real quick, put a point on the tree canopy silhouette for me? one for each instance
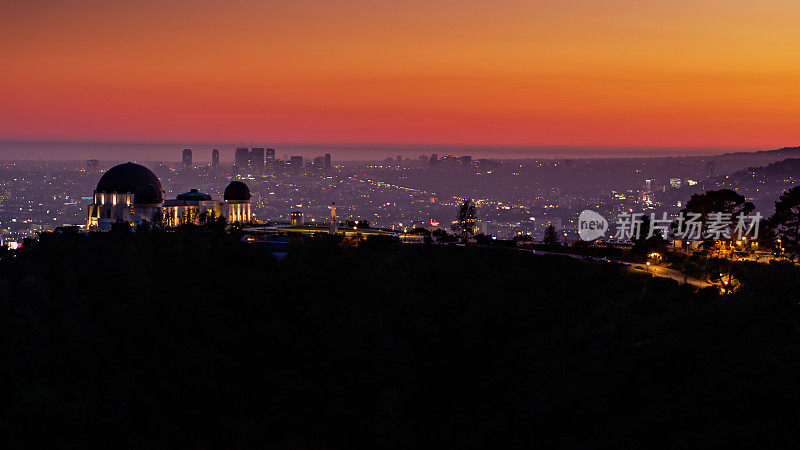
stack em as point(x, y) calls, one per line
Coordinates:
point(551, 235)
point(465, 219)
point(785, 222)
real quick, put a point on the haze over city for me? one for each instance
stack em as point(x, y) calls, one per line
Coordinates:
point(118, 151)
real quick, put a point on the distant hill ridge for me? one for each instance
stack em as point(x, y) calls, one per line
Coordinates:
point(777, 152)
point(788, 165)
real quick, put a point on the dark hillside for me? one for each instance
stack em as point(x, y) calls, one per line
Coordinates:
point(190, 340)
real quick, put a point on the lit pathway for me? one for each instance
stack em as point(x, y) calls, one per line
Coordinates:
point(659, 271)
point(676, 275)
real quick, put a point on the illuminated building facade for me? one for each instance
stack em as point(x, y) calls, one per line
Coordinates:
point(186, 157)
point(191, 207)
point(297, 219)
point(334, 224)
point(127, 192)
point(237, 202)
point(195, 207)
point(132, 193)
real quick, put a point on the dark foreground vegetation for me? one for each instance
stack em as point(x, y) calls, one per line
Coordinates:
point(196, 340)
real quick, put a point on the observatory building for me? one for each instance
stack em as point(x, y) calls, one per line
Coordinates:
point(132, 193)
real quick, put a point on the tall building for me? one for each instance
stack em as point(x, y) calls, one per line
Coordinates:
point(327, 161)
point(434, 161)
point(710, 169)
point(256, 161)
point(269, 160)
point(241, 160)
point(296, 163)
point(215, 158)
point(187, 157)
point(487, 228)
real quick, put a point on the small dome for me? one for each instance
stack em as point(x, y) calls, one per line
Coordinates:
point(146, 195)
point(237, 191)
point(195, 195)
point(127, 178)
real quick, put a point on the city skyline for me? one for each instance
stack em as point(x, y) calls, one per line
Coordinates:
point(577, 74)
point(60, 150)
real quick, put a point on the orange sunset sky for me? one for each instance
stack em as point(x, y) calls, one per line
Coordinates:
point(715, 73)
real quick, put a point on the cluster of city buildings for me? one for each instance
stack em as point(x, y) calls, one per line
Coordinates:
point(513, 197)
point(445, 161)
point(259, 161)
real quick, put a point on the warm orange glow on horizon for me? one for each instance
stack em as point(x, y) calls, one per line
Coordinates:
point(580, 72)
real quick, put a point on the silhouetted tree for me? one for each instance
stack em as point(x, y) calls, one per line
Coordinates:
point(192, 216)
point(785, 222)
point(120, 227)
point(158, 219)
point(720, 201)
point(465, 219)
point(219, 225)
point(644, 245)
point(145, 226)
point(551, 236)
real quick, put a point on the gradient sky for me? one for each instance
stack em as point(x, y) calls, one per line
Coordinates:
point(715, 73)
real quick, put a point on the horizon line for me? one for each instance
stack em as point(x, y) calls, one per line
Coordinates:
point(388, 144)
point(357, 152)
